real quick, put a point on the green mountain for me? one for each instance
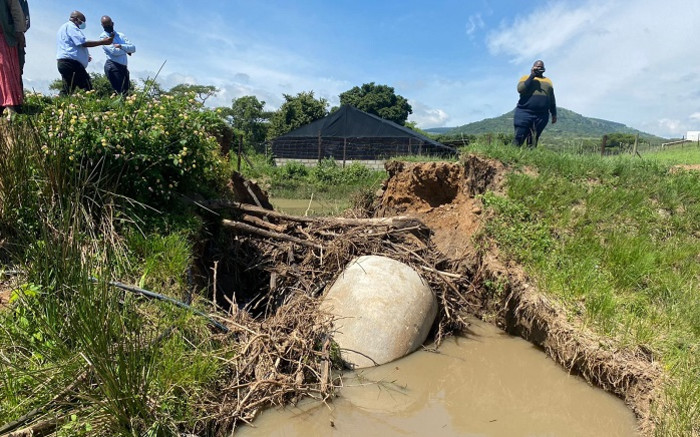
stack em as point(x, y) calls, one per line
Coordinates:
point(569, 125)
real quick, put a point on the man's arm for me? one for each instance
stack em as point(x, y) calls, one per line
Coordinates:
point(110, 50)
point(102, 42)
point(126, 45)
point(553, 106)
point(525, 85)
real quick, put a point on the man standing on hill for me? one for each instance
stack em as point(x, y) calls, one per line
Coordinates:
point(72, 53)
point(115, 67)
point(534, 106)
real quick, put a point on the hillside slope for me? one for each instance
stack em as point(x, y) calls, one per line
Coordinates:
point(569, 125)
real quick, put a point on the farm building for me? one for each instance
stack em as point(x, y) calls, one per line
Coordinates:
point(693, 135)
point(350, 135)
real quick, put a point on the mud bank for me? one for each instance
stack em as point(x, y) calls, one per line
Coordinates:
point(445, 197)
point(426, 215)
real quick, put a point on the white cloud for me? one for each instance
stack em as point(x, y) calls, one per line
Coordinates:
point(474, 23)
point(675, 127)
point(427, 117)
point(695, 116)
point(549, 28)
point(617, 60)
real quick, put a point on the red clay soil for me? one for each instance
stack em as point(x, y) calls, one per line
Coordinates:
point(444, 196)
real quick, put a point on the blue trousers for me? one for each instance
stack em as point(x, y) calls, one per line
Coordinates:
point(528, 126)
point(118, 76)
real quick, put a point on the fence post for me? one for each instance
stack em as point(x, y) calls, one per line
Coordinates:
point(319, 147)
point(636, 143)
point(345, 148)
point(602, 145)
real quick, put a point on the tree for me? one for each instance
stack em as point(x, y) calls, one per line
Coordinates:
point(380, 100)
point(249, 117)
point(295, 112)
point(201, 92)
point(618, 139)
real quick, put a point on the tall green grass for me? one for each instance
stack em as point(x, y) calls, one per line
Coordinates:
point(617, 240)
point(688, 153)
point(100, 361)
point(327, 182)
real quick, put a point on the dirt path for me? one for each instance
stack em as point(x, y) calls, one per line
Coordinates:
point(443, 196)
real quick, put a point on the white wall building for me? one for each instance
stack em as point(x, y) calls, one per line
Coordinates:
point(693, 135)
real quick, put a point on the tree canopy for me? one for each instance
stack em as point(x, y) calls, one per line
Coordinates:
point(380, 100)
point(201, 92)
point(248, 116)
point(297, 111)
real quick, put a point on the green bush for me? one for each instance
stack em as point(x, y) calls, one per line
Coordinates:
point(293, 170)
point(147, 149)
point(326, 172)
point(356, 173)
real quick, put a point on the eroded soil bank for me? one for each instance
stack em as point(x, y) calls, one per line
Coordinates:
point(445, 197)
point(426, 216)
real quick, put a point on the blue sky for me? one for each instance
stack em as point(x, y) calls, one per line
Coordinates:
point(635, 62)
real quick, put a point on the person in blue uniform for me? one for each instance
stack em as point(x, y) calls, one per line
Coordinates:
point(72, 54)
point(117, 57)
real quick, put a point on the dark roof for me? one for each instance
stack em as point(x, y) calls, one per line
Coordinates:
point(350, 122)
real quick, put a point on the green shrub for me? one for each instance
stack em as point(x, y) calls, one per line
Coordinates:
point(147, 149)
point(293, 170)
point(356, 173)
point(326, 172)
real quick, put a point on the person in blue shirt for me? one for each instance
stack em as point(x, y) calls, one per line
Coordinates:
point(116, 66)
point(72, 53)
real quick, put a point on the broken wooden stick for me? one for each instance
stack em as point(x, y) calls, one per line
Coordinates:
point(270, 234)
point(396, 222)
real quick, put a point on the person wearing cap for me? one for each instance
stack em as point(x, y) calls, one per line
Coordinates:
point(72, 54)
point(116, 66)
point(536, 102)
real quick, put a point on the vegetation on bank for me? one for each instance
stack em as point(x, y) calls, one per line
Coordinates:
point(95, 190)
point(326, 181)
point(616, 240)
point(92, 190)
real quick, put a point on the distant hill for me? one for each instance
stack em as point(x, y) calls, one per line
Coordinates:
point(439, 130)
point(569, 125)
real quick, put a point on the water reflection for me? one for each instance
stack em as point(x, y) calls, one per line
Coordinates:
point(486, 384)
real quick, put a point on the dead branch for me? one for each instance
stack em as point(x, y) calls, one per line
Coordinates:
point(270, 234)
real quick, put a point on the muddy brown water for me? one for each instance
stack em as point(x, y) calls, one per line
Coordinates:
point(308, 207)
point(485, 384)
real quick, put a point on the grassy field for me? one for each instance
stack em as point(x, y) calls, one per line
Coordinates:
point(617, 240)
point(688, 154)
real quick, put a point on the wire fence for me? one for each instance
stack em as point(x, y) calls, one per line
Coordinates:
point(593, 146)
point(355, 149)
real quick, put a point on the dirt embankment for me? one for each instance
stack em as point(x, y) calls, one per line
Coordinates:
point(444, 197)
